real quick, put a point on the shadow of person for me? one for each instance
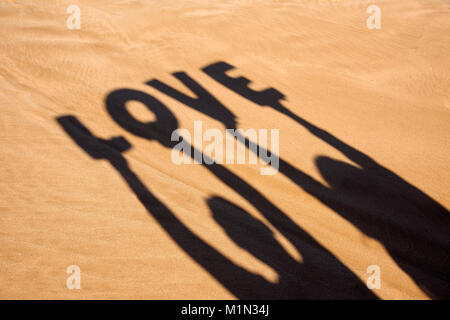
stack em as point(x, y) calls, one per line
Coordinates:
point(412, 226)
point(295, 279)
point(335, 281)
point(237, 280)
point(340, 282)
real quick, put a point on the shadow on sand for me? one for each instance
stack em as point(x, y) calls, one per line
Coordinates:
point(413, 227)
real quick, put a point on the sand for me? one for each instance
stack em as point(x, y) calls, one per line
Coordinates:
point(364, 176)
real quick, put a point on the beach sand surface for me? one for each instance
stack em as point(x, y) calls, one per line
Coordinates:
point(365, 171)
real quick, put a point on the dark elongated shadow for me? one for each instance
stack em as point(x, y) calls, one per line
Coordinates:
point(320, 276)
point(414, 228)
point(237, 280)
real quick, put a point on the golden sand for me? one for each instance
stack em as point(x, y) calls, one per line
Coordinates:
point(365, 173)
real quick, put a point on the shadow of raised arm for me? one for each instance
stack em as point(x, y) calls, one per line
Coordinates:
point(412, 226)
point(332, 279)
point(237, 280)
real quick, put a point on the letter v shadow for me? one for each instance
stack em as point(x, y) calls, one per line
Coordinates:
point(320, 276)
point(331, 277)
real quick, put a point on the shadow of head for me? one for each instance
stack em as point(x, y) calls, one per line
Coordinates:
point(343, 176)
point(247, 232)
